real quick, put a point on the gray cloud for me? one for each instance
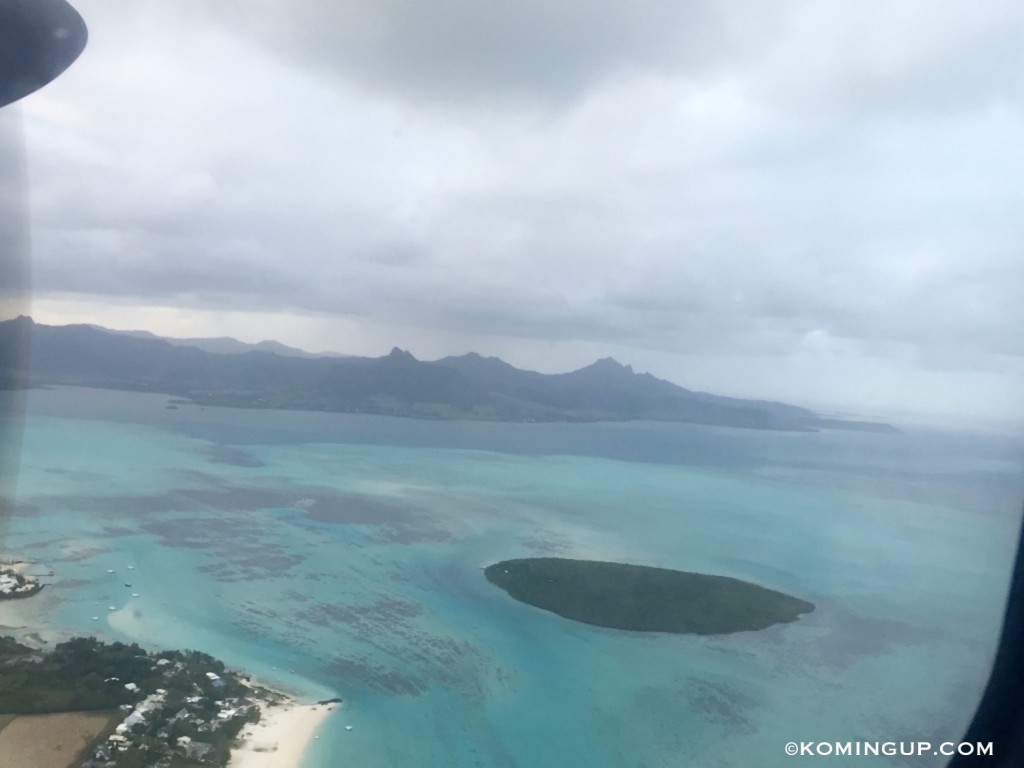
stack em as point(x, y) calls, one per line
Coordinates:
point(853, 55)
point(799, 181)
point(462, 50)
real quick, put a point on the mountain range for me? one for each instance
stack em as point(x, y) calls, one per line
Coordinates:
point(225, 345)
point(464, 387)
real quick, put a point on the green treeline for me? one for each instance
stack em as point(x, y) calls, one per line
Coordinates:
point(84, 674)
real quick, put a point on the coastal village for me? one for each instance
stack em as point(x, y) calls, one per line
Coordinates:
point(168, 709)
point(166, 731)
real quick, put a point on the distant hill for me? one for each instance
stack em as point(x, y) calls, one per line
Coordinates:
point(225, 345)
point(464, 387)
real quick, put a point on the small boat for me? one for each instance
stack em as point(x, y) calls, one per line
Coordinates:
point(131, 567)
point(135, 594)
point(110, 570)
point(112, 607)
point(95, 618)
point(348, 727)
point(127, 584)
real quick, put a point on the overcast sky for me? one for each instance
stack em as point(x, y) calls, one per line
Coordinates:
point(820, 202)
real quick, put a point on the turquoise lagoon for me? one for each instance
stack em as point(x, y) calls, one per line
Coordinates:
point(342, 555)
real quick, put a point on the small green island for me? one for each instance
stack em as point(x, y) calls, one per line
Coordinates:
point(643, 598)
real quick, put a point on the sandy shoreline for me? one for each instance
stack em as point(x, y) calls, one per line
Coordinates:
point(20, 616)
point(286, 727)
point(281, 737)
point(279, 740)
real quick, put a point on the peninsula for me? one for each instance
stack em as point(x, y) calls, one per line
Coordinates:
point(119, 706)
point(642, 598)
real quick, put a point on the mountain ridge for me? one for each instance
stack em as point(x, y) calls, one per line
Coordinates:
point(468, 386)
point(224, 345)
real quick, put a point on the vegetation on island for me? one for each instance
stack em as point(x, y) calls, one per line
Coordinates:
point(173, 709)
point(643, 598)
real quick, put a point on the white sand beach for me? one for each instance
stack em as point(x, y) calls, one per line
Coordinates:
point(281, 737)
point(278, 740)
point(285, 729)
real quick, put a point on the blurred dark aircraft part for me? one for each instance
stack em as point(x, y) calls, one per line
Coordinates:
point(39, 39)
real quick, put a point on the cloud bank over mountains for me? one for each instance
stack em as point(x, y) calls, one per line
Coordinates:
point(823, 196)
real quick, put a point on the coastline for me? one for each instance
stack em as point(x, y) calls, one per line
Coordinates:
point(280, 739)
point(286, 727)
point(282, 736)
point(22, 617)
